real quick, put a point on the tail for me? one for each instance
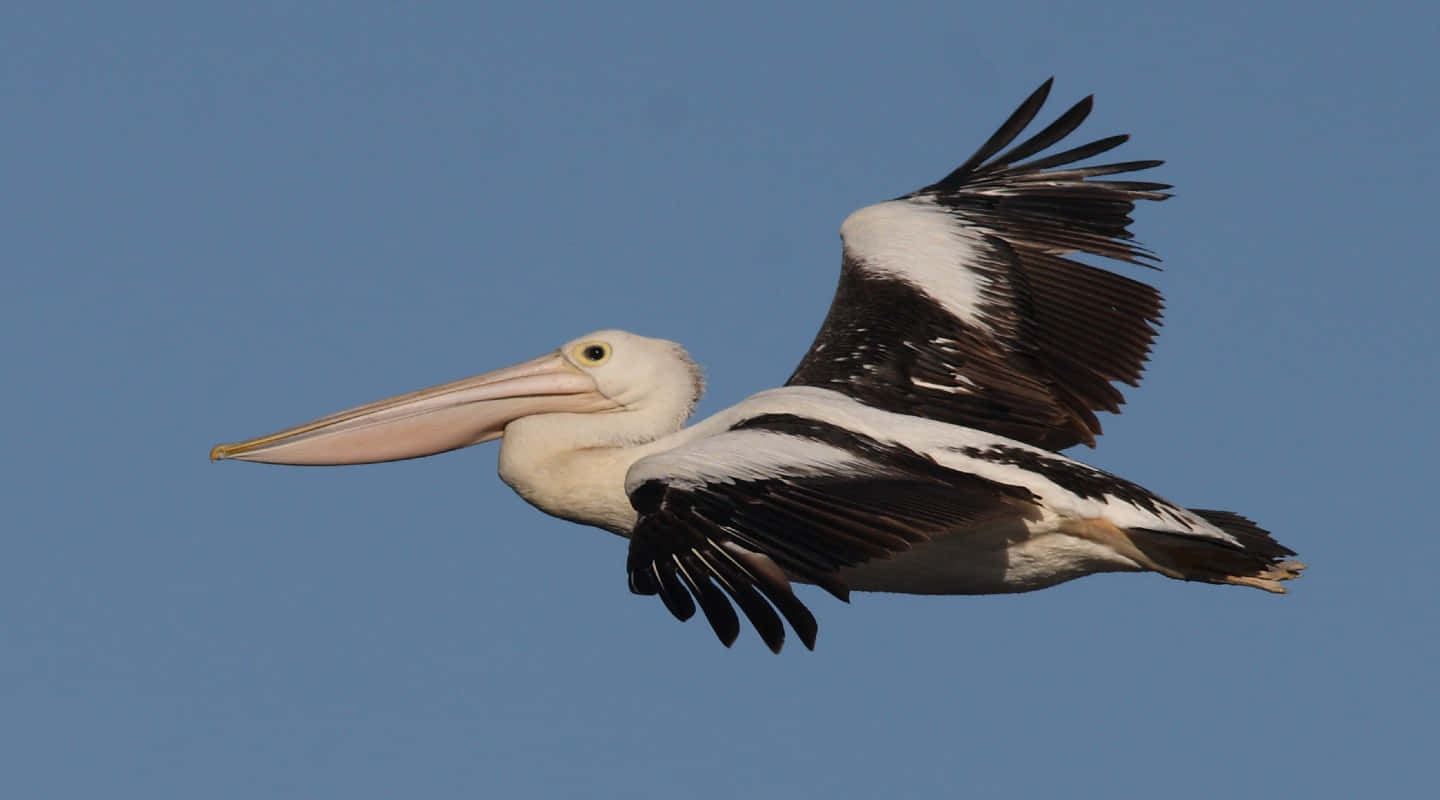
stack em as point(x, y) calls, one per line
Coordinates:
point(1258, 560)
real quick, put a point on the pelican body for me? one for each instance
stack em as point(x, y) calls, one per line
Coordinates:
point(916, 447)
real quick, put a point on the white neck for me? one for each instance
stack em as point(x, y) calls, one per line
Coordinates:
point(573, 466)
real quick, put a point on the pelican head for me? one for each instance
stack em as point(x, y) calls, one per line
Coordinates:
point(645, 388)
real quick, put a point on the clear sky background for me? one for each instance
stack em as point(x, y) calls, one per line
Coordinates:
point(221, 219)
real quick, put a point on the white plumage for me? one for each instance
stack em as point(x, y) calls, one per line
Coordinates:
point(917, 242)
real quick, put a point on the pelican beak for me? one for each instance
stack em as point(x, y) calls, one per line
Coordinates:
point(430, 421)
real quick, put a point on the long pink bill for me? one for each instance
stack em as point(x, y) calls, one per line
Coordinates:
point(429, 421)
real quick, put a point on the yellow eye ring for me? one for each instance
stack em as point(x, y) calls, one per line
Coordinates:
point(592, 354)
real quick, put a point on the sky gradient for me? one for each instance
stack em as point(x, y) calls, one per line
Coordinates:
point(222, 221)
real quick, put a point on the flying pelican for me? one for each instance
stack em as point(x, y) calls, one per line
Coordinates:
point(915, 448)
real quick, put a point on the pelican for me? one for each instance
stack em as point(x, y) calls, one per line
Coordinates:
point(916, 447)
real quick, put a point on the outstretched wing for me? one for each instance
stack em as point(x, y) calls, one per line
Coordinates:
point(957, 302)
point(732, 517)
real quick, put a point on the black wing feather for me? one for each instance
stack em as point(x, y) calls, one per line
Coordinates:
point(1018, 121)
point(1063, 126)
point(718, 612)
point(740, 585)
point(1052, 334)
point(752, 536)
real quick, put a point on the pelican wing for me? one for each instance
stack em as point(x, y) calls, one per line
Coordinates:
point(958, 302)
point(732, 517)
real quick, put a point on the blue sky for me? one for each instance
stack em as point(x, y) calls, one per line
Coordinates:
point(218, 221)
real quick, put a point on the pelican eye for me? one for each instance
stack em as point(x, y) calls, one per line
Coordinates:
point(593, 354)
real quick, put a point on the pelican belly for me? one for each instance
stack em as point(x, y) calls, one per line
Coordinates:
point(999, 558)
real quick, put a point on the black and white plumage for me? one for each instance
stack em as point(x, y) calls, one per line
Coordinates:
point(912, 450)
point(1022, 341)
point(847, 496)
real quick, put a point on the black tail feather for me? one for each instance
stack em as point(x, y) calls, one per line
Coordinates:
point(1256, 560)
